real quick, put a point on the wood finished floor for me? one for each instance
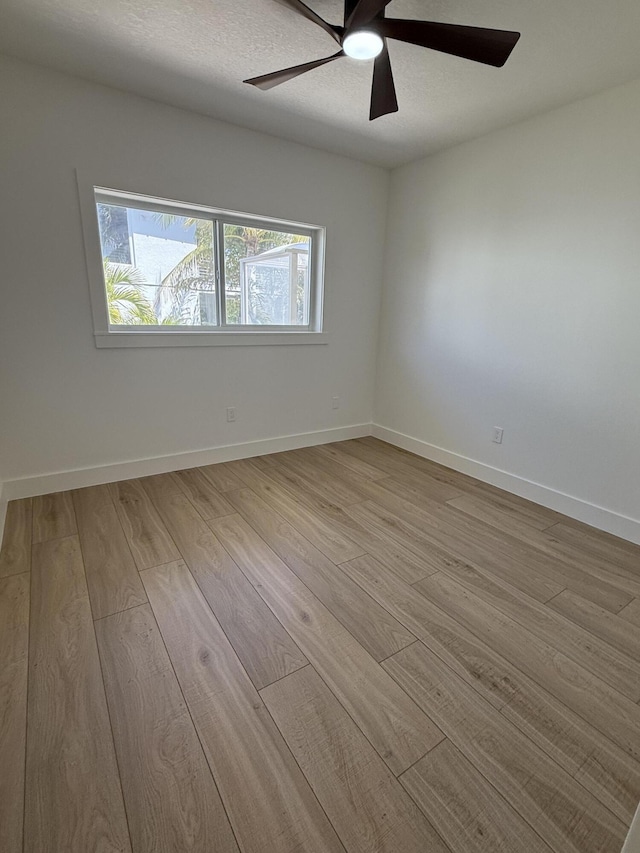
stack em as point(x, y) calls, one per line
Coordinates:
point(341, 648)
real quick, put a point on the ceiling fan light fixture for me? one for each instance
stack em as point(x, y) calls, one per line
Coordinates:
point(363, 44)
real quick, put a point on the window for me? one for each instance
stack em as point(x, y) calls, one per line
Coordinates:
point(178, 274)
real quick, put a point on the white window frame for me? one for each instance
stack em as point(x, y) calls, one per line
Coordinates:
point(108, 335)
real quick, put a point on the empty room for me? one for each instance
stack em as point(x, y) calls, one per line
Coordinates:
point(319, 426)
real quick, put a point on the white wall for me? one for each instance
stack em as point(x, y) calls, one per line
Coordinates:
point(67, 405)
point(512, 298)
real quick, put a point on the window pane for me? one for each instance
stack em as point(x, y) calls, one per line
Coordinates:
point(266, 277)
point(158, 267)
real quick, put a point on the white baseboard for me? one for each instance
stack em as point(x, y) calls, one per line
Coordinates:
point(62, 481)
point(597, 516)
point(3, 509)
point(632, 844)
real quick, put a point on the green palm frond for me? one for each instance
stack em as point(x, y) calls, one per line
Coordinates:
point(127, 304)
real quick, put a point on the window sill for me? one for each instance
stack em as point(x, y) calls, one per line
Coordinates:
point(110, 340)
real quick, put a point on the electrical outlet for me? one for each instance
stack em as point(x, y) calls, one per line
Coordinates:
point(498, 432)
point(231, 414)
point(335, 402)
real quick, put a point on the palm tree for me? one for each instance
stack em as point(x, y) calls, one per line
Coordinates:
point(192, 275)
point(127, 304)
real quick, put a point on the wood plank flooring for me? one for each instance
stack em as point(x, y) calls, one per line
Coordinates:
point(14, 643)
point(344, 648)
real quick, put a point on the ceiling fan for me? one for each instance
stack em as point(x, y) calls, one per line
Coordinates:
point(364, 36)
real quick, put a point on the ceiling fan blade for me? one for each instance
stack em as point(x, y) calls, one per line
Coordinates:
point(493, 47)
point(383, 90)
point(302, 9)
point(268, 81)
point(364, 12)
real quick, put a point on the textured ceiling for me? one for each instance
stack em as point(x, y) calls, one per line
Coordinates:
point(195, 54)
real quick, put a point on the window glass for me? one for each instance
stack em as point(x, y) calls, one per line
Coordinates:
point(159, 268)
point(266, 277)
